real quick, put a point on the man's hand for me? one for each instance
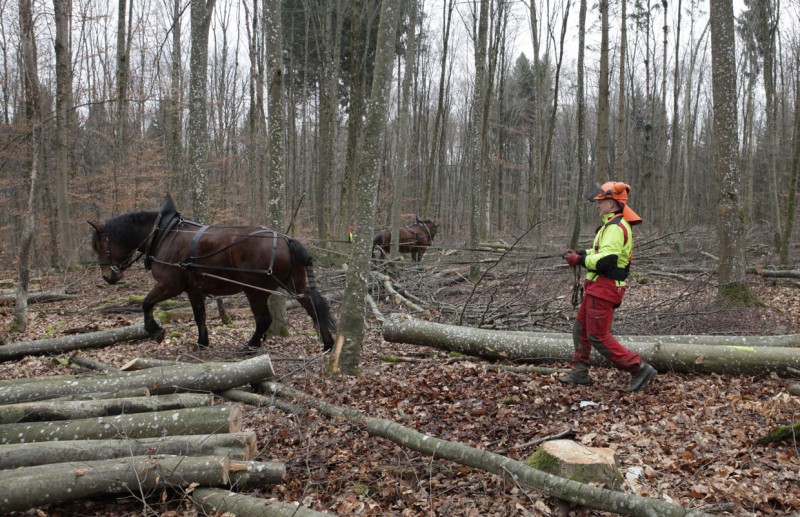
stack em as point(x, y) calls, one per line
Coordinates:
point(572, 257)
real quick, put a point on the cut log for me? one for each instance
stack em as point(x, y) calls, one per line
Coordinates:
point(57, 483)
point(207, 377)
point(526, 346)
point(548, 484)
point(571, 460)
point(76, 409)
point(123, 394)
point(202, 420)
point(143, 363)
point(91, 363)
point(215, 501)
point(38, 297)
point(98, 339)
point(238, 446)
point(794, 389)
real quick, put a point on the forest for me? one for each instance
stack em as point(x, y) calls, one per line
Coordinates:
point(487, 123)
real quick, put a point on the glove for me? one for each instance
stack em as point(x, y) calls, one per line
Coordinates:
point(573, 257)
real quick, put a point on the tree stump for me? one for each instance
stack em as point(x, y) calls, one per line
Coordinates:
point(571, 460)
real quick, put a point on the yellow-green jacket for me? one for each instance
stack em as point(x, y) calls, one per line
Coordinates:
point(612, 251)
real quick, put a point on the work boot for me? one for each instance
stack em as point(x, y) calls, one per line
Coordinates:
point(640, 379)
point(578, 375)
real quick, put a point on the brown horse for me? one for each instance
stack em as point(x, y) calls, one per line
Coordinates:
point(201, 260)
point(414, 238)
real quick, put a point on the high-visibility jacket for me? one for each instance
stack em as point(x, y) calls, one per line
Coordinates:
point(608, 261)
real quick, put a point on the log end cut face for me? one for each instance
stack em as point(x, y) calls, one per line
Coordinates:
point(571, 460)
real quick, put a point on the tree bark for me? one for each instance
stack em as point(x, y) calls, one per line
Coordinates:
point(66, 410)
point(215, 501)
point(189, 377)
point(36, 486)
point(49, 296)
point(741, 360)
point(781, 433)
point(547, 484)
point(99, 339)
point(64, 129)
point(202, 420)
point(238, 446)
point(794, 389)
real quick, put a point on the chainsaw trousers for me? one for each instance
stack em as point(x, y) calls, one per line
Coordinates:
point(593, 329)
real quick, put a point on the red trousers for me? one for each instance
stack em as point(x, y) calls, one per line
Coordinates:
point(593, 329)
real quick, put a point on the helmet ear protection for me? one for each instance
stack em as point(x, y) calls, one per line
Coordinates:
point(615, 190)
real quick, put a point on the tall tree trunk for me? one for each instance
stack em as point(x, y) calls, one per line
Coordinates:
point(674, 171)
point(602, 172)
point(436, 143)
point(403, 162)
point(276, 200)
point(201, 11)
point(733, 288)
point(347, 354)
point(121, 120)
point(64, 130)
point(177, 170)
point(663, 184)
point(619, 158)
point(476, 132)
point(794, 171)
point(33, 114)
point(581, 130)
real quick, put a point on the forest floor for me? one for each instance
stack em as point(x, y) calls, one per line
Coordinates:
point(693, 435)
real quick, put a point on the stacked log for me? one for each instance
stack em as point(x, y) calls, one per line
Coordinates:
point(71, 437)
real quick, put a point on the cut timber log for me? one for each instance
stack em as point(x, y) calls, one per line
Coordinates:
point(206, 377)
point(782, 432)
point(238, 446)
point(571, 460)
point(57, 483)
point(202, 420)
point(98, 339)
point(794, 389)
point(38, 297)
point(215, 501)
point(143, 363)
point(526, 346)
point(75, 409)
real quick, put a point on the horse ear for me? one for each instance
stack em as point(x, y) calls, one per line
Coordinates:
point(97, 226)
point(169, 204)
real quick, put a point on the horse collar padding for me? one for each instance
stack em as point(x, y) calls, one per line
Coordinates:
point(196, 244)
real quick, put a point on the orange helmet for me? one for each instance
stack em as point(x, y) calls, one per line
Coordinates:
point(612, 190)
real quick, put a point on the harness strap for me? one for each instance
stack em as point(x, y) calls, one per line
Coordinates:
point(158, 236)
point(274, 249)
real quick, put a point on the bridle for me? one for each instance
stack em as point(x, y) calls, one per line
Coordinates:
point(130, 259)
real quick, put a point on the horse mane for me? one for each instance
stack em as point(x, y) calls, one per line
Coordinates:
point(126, 228)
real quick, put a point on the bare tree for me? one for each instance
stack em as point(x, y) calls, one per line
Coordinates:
point(733, 287)
point(33, 114)
point(347, 354)
point(602, 171)
point(477, 133)
point(64, 128)
point(201, 11)
point(581, 129)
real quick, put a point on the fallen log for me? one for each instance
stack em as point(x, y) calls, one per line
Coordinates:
point(794, 389)
point(143, 363)
point(38, 297)
point(547, 484)
point(202, 420)
point(238, 446)
point(97, 339)
point(57, 483)
point(206, 377)
point(75, 409)
point(787, 340)
point(526, 346)
point(215, 501)
point(780, 433)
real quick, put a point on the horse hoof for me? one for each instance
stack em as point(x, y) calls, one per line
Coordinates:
point(158, 335)
point(249, 350)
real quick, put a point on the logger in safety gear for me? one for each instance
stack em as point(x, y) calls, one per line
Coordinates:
point(607, 265)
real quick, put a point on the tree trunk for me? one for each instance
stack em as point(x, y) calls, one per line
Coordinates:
point(602, 172)
point(547, 484)
point(37, 486)
point(733, 288)
point(49, 296)
point(737, 360)
point(201, 420)
point(238, 446)
point(189, 377)
point(201, 11)
point(66, 410)
point(215, 501)
point(581, 129)
point(97, 339)
point(477, 133)
point(33, 115)
point(347, 353)
point(276, 195)
point(64, 129)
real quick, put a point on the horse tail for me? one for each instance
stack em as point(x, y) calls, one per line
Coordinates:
point(319, 310)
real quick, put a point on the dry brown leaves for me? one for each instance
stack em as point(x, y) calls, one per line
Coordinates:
point(691, 435)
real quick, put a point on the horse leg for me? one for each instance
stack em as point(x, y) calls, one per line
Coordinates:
point(260, 309)
point(157, 294)
point(198, 301)
point(317, 307)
